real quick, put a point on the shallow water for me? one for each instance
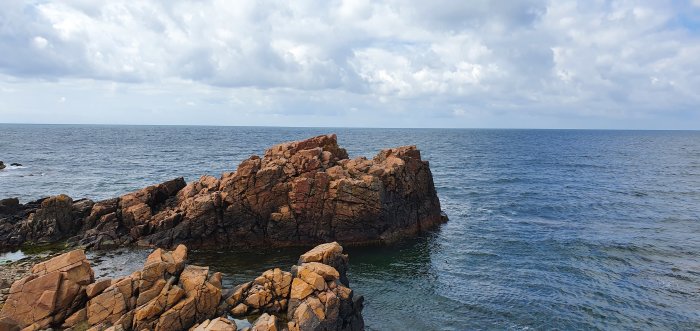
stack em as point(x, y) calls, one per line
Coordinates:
point(549, 229)
point(6, 257)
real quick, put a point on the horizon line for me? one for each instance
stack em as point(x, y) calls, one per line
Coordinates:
point(343, 127)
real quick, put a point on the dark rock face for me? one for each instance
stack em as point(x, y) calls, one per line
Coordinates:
point(168, 294)
point(13, 215)
point(43, 221)
point(298, 193)
point(57, 218)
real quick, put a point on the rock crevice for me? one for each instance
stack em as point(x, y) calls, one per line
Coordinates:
point(168, 294)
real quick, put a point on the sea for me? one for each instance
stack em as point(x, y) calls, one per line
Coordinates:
point(548, 229)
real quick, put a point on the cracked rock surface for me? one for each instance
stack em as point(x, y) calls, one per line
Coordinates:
point(168, 294)
point(298, 193)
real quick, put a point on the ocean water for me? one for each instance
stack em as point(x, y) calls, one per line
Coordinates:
point(549, 229)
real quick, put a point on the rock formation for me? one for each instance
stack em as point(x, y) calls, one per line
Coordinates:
point(298, 193)
point(54, 290)
point(167, 294)
point(14, 164)
point(320, 298)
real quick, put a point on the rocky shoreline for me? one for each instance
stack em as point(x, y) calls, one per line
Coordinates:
point(16, 270)
point(169, 294)
point(298, 194)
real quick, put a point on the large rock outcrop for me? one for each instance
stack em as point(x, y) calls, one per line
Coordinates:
point(53, 291)
point(298, 193)
point(169, 295)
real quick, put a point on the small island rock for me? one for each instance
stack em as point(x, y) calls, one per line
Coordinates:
point(298, 193)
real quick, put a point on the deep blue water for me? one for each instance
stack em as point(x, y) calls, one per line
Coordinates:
point(549, 229)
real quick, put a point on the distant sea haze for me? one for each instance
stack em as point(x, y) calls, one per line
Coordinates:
point(549, 229)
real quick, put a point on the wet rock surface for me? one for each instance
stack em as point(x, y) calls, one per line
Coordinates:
point(298, 193)
point(169, 294)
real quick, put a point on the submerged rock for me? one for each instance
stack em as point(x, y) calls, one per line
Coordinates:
point(168, 294)
point(298, 193)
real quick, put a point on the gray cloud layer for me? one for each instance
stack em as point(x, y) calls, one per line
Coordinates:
point(384, 63)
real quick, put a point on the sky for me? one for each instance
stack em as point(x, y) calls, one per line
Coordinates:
point(387, 63)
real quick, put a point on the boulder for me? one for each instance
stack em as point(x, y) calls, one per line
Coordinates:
point(300, 289)
point(318, 299)
point(202, 296)
point(77, 317)
point(2, 165)
point(167, 294)
point(53, 291)
point(328, 254)
point(265, 322)
point(268, 293)
point(217, 324)
point(113, 306)
point(97, 287)
point(160, 266)
point(107, 307)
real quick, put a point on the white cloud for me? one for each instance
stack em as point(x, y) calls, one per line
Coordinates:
point(40, 42)
point(578, 63)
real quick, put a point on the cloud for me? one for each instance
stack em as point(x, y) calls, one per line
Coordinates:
point(580, 63)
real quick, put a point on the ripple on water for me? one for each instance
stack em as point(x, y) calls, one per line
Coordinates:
point(549, 229)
